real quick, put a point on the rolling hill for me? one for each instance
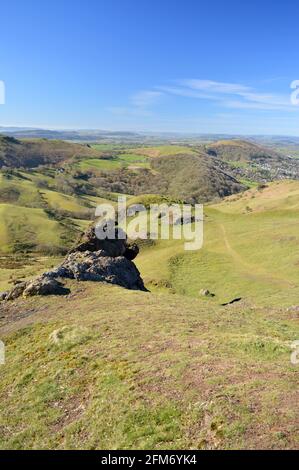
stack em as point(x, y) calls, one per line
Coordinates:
point(16, 153)
point(192, 176)
point(240, 151)
point(105, 367)
point(195, 178)
point(37, 217)
point(253, 162)
point(250, 251)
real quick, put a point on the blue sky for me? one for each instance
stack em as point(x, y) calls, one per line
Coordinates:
point(189, 66)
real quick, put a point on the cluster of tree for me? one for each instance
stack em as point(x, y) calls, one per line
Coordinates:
point(126, 181)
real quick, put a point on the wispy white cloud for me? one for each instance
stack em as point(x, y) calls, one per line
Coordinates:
point(222, 95)
point(215, 87)
point(145, 98)
point(140, 104)
point(229, 95)
point(186, 92)
point(2, 92)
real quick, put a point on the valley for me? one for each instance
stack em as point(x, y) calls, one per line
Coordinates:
point(177, 366)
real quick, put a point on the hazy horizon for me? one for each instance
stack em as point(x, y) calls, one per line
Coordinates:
point(134, 70)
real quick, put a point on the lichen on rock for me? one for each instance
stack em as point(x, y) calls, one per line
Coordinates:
point(91, 259)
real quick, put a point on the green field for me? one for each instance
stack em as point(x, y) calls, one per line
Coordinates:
point(164, 150)
point(113, 369)
point(16, 268)
point(40, 219)
point(123, 160)
point(250, 242)
point(107, 368)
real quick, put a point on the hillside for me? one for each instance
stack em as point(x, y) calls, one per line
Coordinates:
point(253, 162)
point(240, 151)
point(110, 368)
point(250, 245)
point(191, 176)
point(64, 199)
point(195, 178)
point(40, 213)
point(16, 153)
point(104, 367)
point(191, 173)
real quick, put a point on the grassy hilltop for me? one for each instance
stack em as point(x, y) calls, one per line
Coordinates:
point(109, 368)
point(33, 152)
point(104, 367)
point(250, 250)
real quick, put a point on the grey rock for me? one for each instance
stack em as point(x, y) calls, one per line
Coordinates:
point(206, 293)
point(134, 209)
point(3, 296)
point(93, 266)
point(91, 260)
point(16, 291)
point(120, 246)
point(45, 286)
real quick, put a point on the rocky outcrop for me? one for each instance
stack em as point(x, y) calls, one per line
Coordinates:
point(90, 260)
point(120, 246)
point(45, 286)
point(98, 266)
point(42, 285)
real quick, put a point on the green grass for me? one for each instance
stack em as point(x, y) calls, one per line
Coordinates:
point(107, 368)
point(249, 251)
point(23, 267)
point(109, 147)
point(123, 160)
point(114, 369)
point(27, 228)
point(164, 150)
point(35, 218)
point(148, 199)
point(237, 164)
point(99, 164)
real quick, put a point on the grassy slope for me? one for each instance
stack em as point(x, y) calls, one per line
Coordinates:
point(25, 219)
point(123, 156)
point(239, 150)
point(18, 267)
point(250, 246)
point(30, 153)
point(160, 370)
point(249, 250)
point(147, 371)
point(123, 160)
point(164, 150)
point(29, 225)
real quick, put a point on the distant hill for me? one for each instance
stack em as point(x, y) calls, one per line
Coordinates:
point(72, 135)
point(170, 367)
point(191, 177)
point(240, 151)
point(253, 162)
point(193, 173)
point(16, 153)
point(195, 178)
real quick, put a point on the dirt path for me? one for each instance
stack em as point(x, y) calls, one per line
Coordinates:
point(251, 269)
